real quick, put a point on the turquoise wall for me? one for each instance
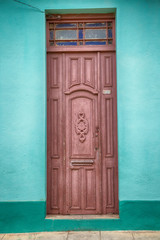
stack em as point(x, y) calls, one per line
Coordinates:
point(23, 103)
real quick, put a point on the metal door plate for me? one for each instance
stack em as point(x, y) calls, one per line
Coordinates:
point(108, 91)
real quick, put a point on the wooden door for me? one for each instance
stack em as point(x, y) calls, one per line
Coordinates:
point(82, 133)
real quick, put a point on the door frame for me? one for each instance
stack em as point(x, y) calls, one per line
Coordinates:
point(80, 49)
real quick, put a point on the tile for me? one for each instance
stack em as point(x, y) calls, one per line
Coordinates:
point(108, 216)
point(147, 235)
point(26, 236)
point(64, 217)
point(84, 235)
point(52, 235)
point(116, 235)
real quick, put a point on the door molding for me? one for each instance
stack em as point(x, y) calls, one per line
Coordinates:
point(106, 58)
point(54, 20)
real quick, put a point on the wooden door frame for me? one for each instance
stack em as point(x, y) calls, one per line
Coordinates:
point(80, 49)
point(76, 18)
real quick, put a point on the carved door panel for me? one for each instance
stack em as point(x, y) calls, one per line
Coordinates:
point(82, 134)
point(81, 104)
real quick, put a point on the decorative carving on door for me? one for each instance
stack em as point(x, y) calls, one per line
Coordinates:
point(81, 126)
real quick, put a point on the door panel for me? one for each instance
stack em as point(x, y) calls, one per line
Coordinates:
point(54, 134)
point(109, 134)
point(55, 186)
point(81, 109)
point(54, 108)
point(90, 189)
point(75, 189)
point(82, 134)
point(81, 124)
point(89, 71)
point(108, 109)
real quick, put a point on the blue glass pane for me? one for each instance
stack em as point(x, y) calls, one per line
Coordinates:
point(51, 34)
point(80, 34)
point(109, 33)
point(66, 25)
point(95, 43)
point(66, 43)
point(95, 24)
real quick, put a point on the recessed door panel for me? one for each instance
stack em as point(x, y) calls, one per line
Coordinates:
point(109, 127)
point(90, 188)
point(54, 133)
point(89, 71)
point(75, 189)
point(81, 118)
point(55, 186)
point(73, 73)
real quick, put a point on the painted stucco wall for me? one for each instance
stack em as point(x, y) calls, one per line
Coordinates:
point(23, 96)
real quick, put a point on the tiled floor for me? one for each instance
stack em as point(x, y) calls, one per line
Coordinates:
point(104, 235)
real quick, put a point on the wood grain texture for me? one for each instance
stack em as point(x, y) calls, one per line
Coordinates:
point(82, 133)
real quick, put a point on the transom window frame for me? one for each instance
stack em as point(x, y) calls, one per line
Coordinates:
point(79, 19)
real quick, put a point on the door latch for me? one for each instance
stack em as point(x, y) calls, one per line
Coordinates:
point(96, 138)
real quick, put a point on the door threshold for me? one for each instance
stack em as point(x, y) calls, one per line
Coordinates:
point(107, 216)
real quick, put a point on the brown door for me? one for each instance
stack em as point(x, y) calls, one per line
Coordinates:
point(82, 133)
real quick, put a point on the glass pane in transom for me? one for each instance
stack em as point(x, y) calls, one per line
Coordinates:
point(66, 34)
point(88, 25)
point(66, 25)
point(95, 34)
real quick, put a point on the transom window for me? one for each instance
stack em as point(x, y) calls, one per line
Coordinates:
point(78, 33)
